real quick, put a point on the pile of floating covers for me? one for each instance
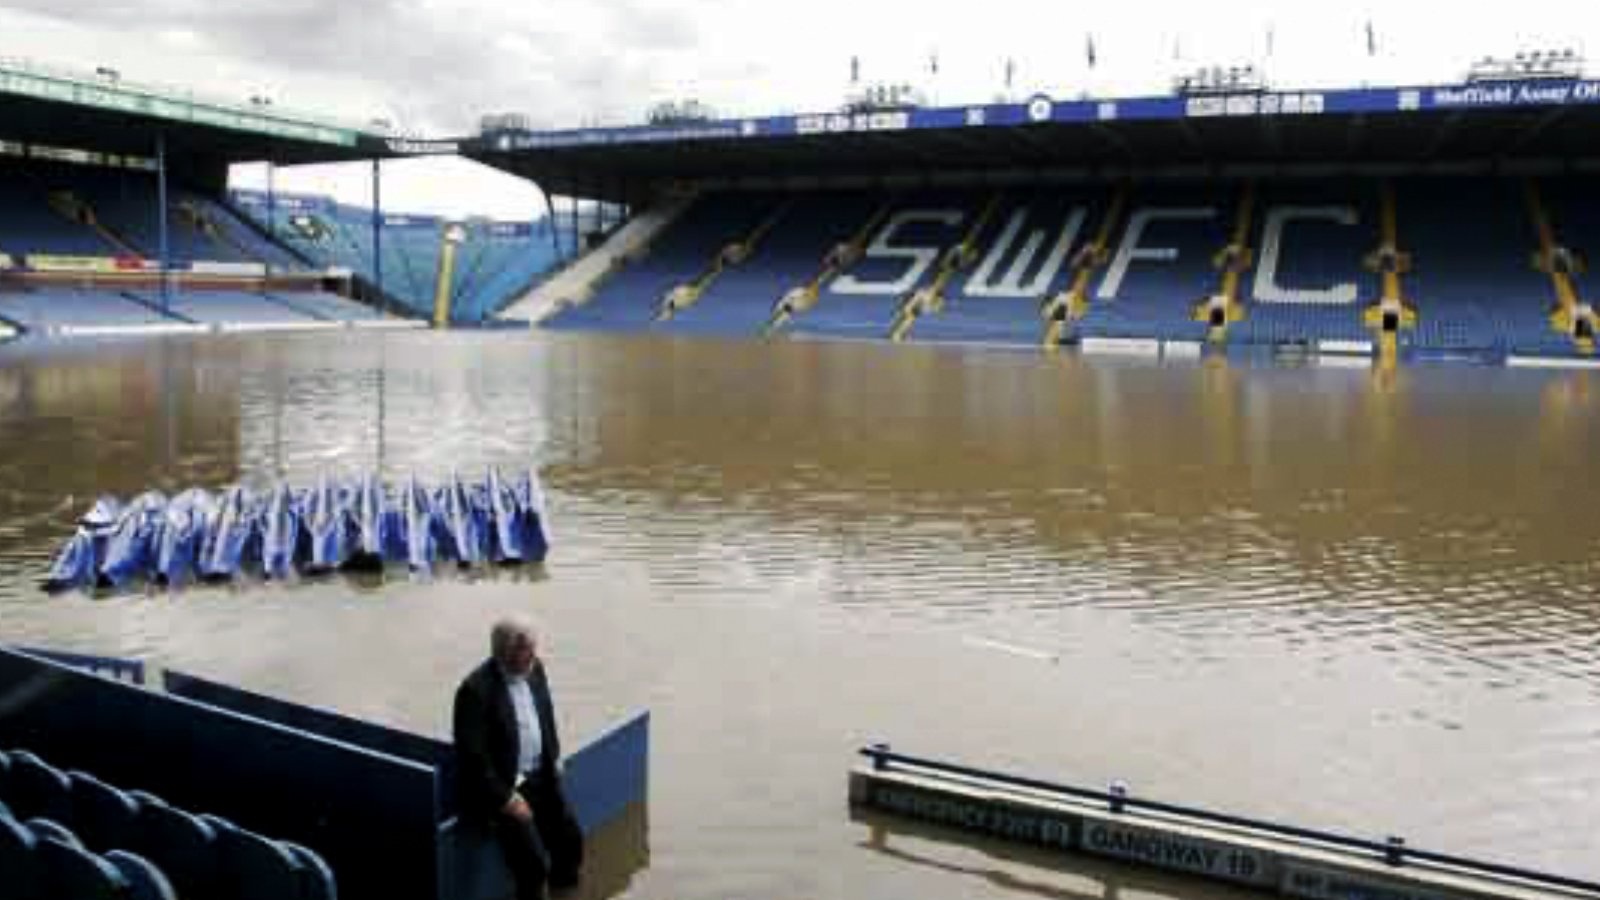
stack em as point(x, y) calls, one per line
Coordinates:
point(360, 524)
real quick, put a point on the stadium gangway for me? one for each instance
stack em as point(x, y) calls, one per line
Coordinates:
point(1224, 308)
point(1572, 316)
point(931, 299)
point(1061, 310)
point(1393, 312)
point(737, 253)
point(1289, 859)
point(836, 263)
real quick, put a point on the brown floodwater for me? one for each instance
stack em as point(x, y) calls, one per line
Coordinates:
point(1353, 599)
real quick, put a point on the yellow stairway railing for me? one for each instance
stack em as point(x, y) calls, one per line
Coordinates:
point(930, 300)
point(799, 299)
point(1061, 310)
point(684, 296)
point(1572, 317)
point(1223, 308)
point(1392, 312)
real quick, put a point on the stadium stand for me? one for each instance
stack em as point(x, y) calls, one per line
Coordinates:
point(577, 281)
point(1134, 299)
point(971, 312)
point(1473, 284)
point(1309, 274)
point(1574, 209)
point(856, 305)
point(496, 263)
point(219, 307)
point(30, 224)
point(77, 244)
point(1308, 282)
point(632, 297)
point(52, 309)
point(74, 836)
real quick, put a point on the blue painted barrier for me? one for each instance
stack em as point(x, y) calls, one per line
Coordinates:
point(375, 802)
point(370, 815)
point(129, 670)
point(366, 735)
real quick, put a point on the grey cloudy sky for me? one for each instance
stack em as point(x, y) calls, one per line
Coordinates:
point(435, 66)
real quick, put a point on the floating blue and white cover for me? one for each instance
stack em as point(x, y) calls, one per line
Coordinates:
point(332, 525)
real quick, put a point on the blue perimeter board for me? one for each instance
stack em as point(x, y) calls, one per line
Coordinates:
point(1041, 109)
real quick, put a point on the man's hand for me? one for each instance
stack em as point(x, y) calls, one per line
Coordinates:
point(517, 808)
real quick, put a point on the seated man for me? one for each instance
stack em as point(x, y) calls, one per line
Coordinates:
point(507, 752)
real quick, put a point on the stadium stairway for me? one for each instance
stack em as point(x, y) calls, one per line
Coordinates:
point(740, 301)
point(953, 261)
point(1473, 283)
point(1573, 205)
point(823, 218)
point(1308, 282)
point(1062, 310)
point(732, 256)
point(629, 299)
point(862, 302)
point(29, 224)
point(246, 233)
point(124, 206)
point(1232, 261)
point(1572, 315)
point(1157, 302)
point(75, 208)
point(1393, 318)
point(579, 282)
point(1053, 225)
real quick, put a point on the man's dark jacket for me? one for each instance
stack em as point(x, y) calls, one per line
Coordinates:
point(486, 739)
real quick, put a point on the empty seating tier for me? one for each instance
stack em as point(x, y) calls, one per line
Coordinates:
point(69, 835)
point(1310, 264)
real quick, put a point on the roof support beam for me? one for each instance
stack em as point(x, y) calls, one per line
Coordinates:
point(1443, 135)
point(1354, 134)
point(1545, 120)
point(1120, 144)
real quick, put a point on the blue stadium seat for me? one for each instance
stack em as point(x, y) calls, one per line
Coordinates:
point(316, 878)
point(17, 860)
point(67, 871)
point(55, 831)
point(145, 881)
point(103, 815)
point(38, 790)
point(184, 847)
point(253, 867)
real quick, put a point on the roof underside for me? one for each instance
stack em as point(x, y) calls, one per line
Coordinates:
point(32, 120)
point(624, 171)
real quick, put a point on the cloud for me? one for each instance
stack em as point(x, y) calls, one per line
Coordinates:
point(438, 64)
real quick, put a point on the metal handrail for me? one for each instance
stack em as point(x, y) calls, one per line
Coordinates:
point(1393, 850)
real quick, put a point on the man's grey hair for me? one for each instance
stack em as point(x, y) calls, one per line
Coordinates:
point(508, 633)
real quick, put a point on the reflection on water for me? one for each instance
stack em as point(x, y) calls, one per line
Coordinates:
point(1362, 600)
point(1009, 869)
